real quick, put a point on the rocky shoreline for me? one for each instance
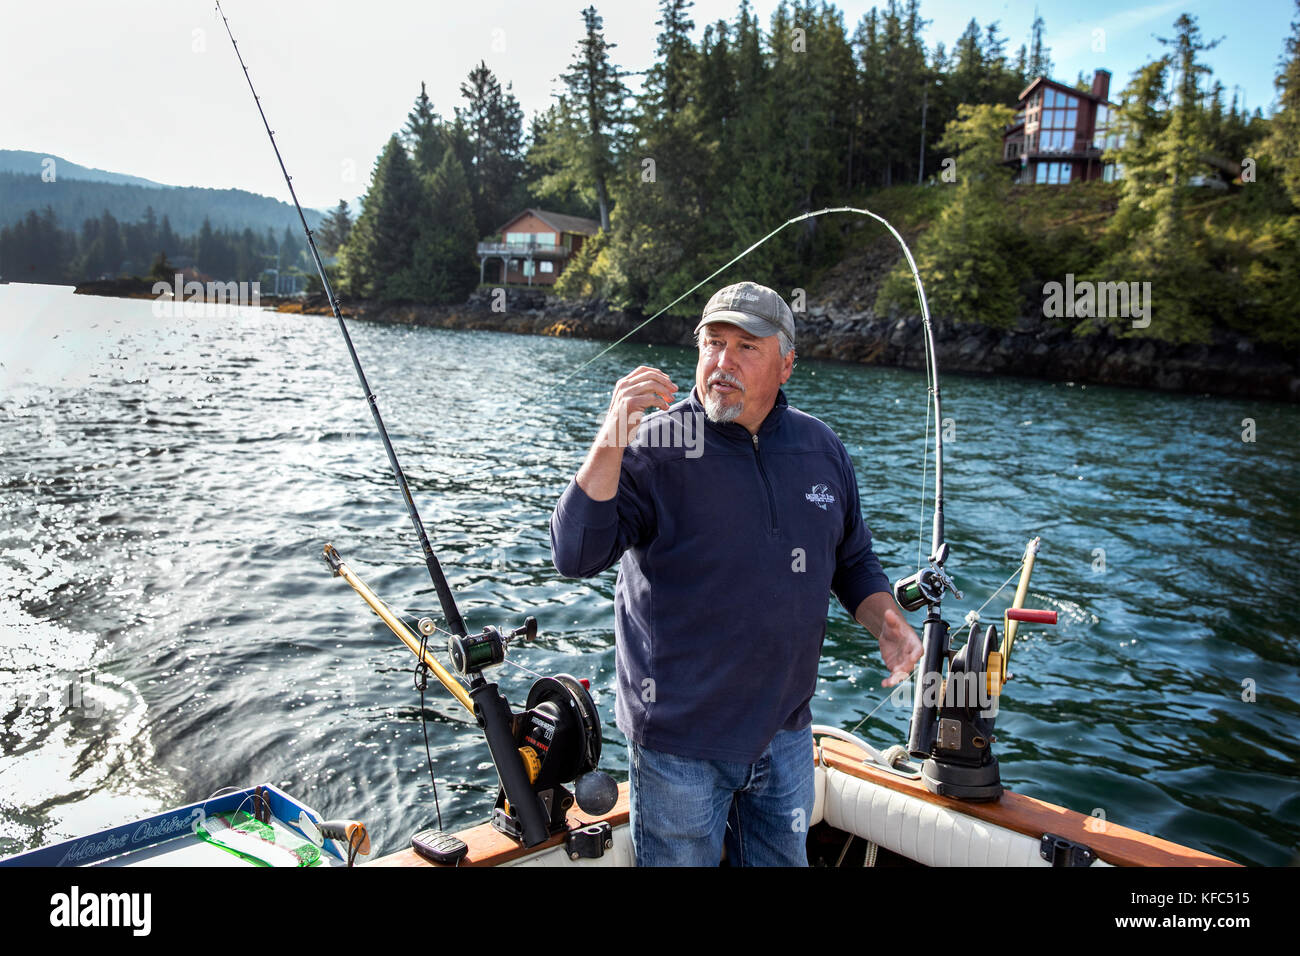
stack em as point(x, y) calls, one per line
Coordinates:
point(838, 331)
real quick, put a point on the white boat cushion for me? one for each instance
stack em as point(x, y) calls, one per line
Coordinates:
point(918, 829)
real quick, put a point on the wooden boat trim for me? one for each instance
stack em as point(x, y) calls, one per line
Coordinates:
point(490, 847)
point(1115, 844)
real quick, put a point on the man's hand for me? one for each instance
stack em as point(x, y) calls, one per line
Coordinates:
point(900, 648)
point(641, 389)
point(634, 393)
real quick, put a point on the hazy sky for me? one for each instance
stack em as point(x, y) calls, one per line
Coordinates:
point(152, 87)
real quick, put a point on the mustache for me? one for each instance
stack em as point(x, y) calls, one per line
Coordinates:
point(726, 379)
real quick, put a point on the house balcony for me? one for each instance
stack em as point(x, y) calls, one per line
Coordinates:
point(1073, 152)
point(523, 250)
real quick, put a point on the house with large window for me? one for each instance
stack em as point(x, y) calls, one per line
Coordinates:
point(1060, 133)
point(533, 247)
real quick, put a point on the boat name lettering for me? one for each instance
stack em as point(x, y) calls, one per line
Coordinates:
point(86, 849)
point(157, 829)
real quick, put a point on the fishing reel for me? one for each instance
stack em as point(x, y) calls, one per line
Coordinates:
point(927, 585)
point(555, 741)
point(953, 715)
point(558, 737)
point(473, 652)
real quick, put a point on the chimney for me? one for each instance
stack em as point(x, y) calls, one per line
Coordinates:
point(1101, 84)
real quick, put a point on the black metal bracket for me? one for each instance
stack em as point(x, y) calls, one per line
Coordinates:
point(590, 842)
point(1058, 851)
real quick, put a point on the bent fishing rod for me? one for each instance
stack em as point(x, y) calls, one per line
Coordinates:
point(556, 740)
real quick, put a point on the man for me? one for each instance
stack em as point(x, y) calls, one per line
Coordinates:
point(734, 515)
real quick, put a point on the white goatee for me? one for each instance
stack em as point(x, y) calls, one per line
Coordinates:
point(714, 408)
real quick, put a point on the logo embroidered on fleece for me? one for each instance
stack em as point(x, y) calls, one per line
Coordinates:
point(821, 496)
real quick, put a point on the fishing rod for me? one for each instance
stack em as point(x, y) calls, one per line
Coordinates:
point(445, 598)
point(557, 739)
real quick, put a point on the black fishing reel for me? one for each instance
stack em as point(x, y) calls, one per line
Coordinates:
point(473, 652)
point(927, 585)
point(961, 762)
point(555, 741)
point(558, 738)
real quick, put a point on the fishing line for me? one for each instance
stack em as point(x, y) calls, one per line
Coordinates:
point(789, 222)
point(523, 668)
point(421, 682)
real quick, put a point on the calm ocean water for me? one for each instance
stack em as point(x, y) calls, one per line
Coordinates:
point(167, 627)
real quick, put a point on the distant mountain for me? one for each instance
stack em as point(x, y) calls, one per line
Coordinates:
point(33, 164)
point(78, 193)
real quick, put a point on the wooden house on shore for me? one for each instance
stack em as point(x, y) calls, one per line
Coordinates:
point(1061, 132)
point(533, 247)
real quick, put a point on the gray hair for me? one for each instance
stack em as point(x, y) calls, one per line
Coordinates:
point(783, 340)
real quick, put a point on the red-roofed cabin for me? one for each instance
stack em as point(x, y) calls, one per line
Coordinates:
point(1060, 132)
point(534, 247)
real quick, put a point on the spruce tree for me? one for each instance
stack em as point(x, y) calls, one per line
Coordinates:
point(596, 97)
point(443, 267)
point(661, 194)
point(1040, 60)
point(493, 126)
point(335, 229)
point(383, 240)
point(423, 134)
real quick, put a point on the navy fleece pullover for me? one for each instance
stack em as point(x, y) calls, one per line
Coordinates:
point(730, 545)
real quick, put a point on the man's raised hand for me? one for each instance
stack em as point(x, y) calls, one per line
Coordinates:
point(641, 389)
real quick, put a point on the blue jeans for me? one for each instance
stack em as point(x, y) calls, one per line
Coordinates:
point(684, 809)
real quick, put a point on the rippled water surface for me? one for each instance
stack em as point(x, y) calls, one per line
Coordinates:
point(167, 627)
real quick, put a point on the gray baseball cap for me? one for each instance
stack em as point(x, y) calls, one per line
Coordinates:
point(755, 308)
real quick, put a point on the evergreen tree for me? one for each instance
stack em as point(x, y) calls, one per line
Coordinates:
point(443, 267)
point(548, 179)
point(669, 80)
point(1138, 122)
point(661, 197)
point(1040, 61)
point(586, 140)
point(1151, 236)
point(335, 229)
point(968, 77)
point(1184, 143)
point(382, 242)
point(870, 153)
point(423, 134)
point(493, 126)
